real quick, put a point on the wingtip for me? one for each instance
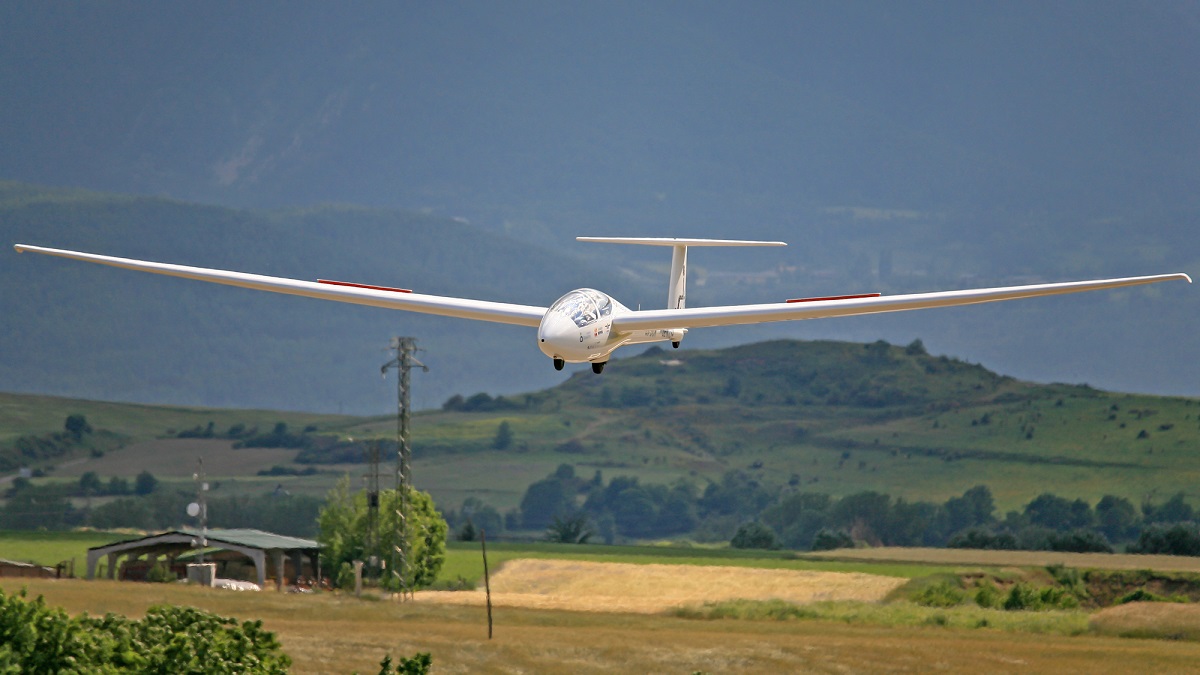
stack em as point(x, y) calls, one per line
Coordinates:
point(1187, 278)
point(19, 248)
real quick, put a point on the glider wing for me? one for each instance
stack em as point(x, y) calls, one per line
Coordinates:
point(357, 294)
point(701, 317)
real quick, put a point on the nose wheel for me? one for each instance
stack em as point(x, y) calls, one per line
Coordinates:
point(559, 363)
point(598, 368)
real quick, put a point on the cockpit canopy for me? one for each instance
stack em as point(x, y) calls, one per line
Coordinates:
point(584, 306)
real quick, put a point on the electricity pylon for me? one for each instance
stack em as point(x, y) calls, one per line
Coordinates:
point(405, 361)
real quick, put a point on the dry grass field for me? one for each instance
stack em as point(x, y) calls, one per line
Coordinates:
point(962, 556)
point(336, 633)
point(651, 589)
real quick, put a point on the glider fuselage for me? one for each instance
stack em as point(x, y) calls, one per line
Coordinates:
point(578, 328)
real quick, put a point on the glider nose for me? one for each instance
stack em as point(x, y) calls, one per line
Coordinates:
point(558, 336)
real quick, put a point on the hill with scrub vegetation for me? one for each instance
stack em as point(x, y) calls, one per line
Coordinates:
point(688, 443)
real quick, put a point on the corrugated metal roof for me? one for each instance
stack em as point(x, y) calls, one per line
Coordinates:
point(242, 537)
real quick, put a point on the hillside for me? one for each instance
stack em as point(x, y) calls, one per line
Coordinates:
point(85, 331)
point(826, 417)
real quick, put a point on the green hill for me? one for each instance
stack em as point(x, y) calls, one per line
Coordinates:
point(829, 417)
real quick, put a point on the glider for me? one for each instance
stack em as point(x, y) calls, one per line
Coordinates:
point(586, 325)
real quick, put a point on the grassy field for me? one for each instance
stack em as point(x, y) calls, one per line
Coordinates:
point(327, 633)
point(959, 556)
point(464, 559)
point(562, 608)
point(51, 548)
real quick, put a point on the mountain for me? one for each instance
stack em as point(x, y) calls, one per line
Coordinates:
point(94, 332)
point(549, 119)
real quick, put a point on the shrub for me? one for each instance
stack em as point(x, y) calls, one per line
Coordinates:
point(754, 535)
point(35, 638)
point(827, 540)
point(987, 595)
point(942, 594)
point(417, 664)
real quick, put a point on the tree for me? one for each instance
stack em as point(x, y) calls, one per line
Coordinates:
point(145, 483)
point(77, 426)
point(1116, 517)
point(754, 535)
point(1174, 510)
point(973, 509)
point(343, 533)
point(543, 501)
point(504, 436)
point(89, 483)
point(570, 530)
point(1051, 511)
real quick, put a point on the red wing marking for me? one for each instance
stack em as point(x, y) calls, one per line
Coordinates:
point(353, 285)
point(839, 297)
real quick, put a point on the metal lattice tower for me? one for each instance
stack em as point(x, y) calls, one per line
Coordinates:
point(405, 349)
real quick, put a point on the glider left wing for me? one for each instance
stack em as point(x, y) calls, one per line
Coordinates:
point(731, 315)
point(357, 294)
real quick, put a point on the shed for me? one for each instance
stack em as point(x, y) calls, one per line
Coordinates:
point(14, 568)
point(262, 548)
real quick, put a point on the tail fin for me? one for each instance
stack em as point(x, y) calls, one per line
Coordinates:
point(677, 284)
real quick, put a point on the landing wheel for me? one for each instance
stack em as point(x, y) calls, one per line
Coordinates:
point(559, 363)
point(675, 344)
point(598, 368)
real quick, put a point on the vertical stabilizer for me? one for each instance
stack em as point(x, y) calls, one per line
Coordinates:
point(677, 285)
point(677, 291)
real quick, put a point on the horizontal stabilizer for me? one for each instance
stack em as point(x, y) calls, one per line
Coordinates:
point(673, 241)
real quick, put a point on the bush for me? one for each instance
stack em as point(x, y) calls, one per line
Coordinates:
point(417, 664)
point(987, 595)
point(1026, 597)
point(35, 638)
point(942, 594)
point(754, 535)
point(1179, 539)
point(827, 540)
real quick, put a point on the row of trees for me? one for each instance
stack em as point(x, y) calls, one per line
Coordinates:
point(150, 506)
point(626, 508)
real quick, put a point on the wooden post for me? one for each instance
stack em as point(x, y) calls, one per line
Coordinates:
point(486, 582)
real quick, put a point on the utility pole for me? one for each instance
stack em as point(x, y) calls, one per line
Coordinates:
point(199, 508)
point(372, 543)
point(405, 361)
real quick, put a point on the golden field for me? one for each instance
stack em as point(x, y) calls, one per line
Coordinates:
point(599, 618)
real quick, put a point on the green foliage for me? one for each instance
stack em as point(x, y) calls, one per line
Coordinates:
point(417, 664)
point(504, 436)
point(39, 639)
point(161, 574)
point(944, 593)
point(828, 540)
point(77, 425)
point(342, 532)
point(571, 530)
point(987, 595)
point(145, 483)
point(1178, 539)
point(755, 535)
point(1023, 596)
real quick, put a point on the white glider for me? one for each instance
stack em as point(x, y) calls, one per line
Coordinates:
point(586, 325)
